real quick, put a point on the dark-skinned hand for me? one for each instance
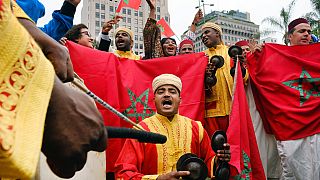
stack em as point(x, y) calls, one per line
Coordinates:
point(225, 154)
point(173, 175)
point(73, 127)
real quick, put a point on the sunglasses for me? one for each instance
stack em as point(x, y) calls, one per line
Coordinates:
point(86, 33)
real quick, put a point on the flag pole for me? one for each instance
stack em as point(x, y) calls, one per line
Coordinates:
point(106, 105)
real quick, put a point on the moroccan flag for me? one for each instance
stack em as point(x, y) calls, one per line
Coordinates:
point(286, 83)
point(127, 86)
point(134, 4)
point(165, 28)
point(245, 158)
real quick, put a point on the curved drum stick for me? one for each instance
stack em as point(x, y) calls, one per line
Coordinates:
point(106, 105)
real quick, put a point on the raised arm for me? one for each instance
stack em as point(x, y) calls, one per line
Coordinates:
point(197, 18)
point(152, 35)
point(55, 52)
point(152, 6)
point(104, 39)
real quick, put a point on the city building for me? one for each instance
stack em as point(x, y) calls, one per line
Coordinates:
point(235, 26)
point(269, 40)
point(95, 12)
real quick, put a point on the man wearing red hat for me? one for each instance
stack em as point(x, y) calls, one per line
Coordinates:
point(299, 157)
point(186, 47)
point(299, 32)
point(244, 46)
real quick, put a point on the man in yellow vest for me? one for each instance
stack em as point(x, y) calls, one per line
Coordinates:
point(218, 99)
point(124, 43)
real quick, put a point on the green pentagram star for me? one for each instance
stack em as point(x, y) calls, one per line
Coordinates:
point(306, 85)
point(245, 173)
point(133, 107)
point(160, 27)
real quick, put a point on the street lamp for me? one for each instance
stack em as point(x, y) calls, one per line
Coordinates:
point(203, 4)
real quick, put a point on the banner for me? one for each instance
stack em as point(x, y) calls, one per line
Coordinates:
point(165, 28)
point(245, 158)
point(286, 81)
point(127, 86)
point(134, 4)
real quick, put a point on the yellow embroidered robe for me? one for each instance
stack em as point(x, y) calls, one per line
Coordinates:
point(26, 78)
point(147, 161)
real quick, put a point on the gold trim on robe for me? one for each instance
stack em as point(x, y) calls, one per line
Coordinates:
point(127, 54)
point(26, 82)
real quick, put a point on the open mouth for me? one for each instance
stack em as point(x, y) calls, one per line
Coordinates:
point(170, 49)
point(120, 41)
point(205, 40)
point(167, 103)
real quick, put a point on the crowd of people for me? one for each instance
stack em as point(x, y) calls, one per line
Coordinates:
point(36, 65)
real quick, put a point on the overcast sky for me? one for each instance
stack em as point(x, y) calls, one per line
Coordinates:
point(182, 11)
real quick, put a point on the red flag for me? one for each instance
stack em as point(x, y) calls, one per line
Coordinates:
point(126, 86)
point(287, 89)
point(245, 158)
point(165, 28)
point(134, 4)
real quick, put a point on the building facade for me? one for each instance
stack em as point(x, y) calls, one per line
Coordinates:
point(269, 40)
point(95, 12)
point(235, 26)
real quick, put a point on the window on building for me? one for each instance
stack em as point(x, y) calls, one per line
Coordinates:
point(140, 14)
point(166, 18)
point(158, 17)
point(135, 20)
point(97, 23)
point(136, 39)
point(97, 6)
point(141, 38)
point(136, 45)
point(103, 16)
point(97, 15)
point(111, 8)
point(103, 7)
point(158, 9)
point(129, 20)
point(129, 11)
point(124, 11)
point(136, 29)
point(140, 46)
point(135, 13)
point(97, 31)
point(124, 19)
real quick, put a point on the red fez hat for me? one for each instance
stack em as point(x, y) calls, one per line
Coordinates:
point(242, 43)
point(186, 41)
point(295, 22)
